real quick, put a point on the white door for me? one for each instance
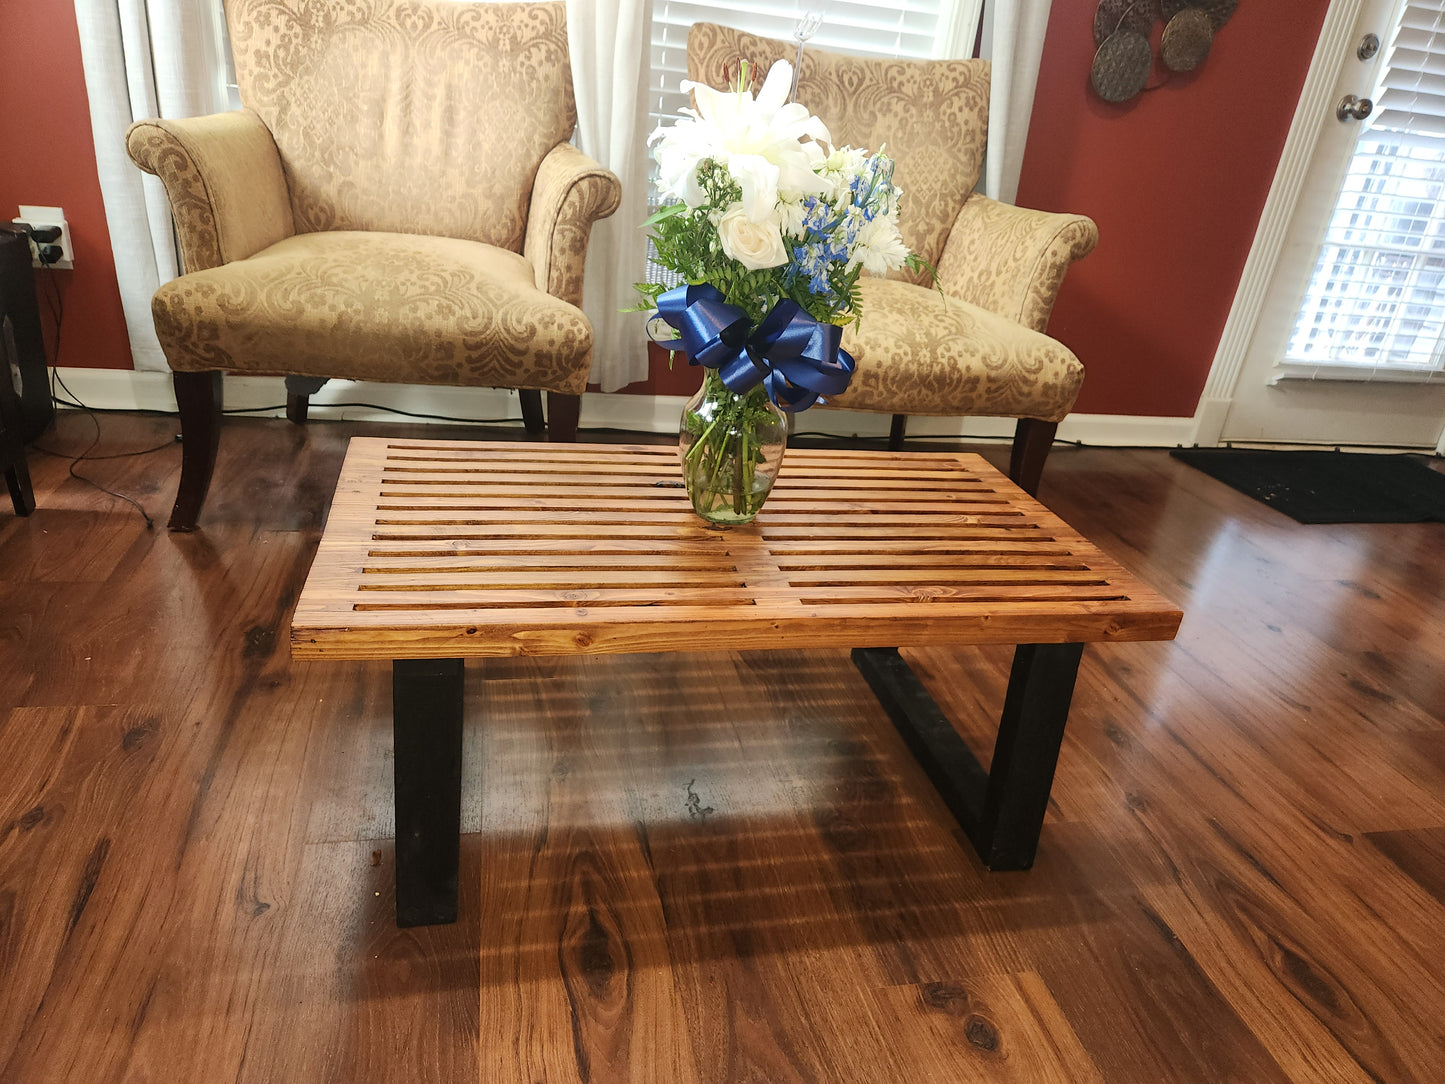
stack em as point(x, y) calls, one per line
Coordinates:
point(1349, 347)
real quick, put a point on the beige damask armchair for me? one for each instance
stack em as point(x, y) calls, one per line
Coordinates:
point(397, 201)
point(976, 346)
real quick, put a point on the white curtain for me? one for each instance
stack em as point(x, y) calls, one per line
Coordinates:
point(609, 43)
point(143, 58)
point(1013, 38)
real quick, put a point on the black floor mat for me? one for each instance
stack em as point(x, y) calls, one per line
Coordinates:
point(1329, 487)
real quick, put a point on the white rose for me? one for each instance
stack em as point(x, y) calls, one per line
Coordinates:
point(755, 245)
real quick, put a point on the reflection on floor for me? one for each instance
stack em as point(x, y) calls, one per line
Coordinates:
point(712, 867)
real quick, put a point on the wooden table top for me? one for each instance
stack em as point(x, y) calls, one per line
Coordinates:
point(442, 549)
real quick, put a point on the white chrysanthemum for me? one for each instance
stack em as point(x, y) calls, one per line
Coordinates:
point(767, 144)
point(791, 213)
point(847, 161)
point(880, 246)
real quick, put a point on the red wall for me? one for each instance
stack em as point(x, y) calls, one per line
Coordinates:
point(47, 158)
point(1176, 180)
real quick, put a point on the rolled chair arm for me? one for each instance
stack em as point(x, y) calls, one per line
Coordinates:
point(1011, 260)
point(570, 192)
point(224, 179)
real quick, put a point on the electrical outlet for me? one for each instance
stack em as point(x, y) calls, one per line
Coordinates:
point(39, 218)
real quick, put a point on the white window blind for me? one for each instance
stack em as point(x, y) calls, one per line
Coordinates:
point(1375, 306)
point(904, 28)
point(1411, 95)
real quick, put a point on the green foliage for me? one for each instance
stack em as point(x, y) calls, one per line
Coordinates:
point(687, 242)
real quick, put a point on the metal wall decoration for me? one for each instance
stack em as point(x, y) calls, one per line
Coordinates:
point(1125, 58)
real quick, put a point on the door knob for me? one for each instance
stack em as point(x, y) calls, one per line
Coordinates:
point(1352, 108)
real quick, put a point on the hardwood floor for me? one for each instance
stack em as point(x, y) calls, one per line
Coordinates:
point(712, 867)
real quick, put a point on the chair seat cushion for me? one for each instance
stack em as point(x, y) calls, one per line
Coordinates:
point(920, 352)
point(394, 307)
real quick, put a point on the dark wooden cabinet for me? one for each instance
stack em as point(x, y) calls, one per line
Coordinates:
point(12, 444)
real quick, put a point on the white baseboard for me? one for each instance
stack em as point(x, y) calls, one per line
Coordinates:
point(1209, 421)
point(124, 389)
point(1127, 431)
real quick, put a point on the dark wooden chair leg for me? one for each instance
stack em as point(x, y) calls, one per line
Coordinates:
point(299, 390)
point(562, 414)
point(1032, 441)
point(532, 419)
point(199, 397)
point(896, 432)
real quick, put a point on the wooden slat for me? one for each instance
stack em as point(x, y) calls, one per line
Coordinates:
point(938, 546)
point(868, 530)
point(438, 513)
point(387, 527)
point(383, 564)
point(804, 562)
point(607, 476)
point(482, 597)
point(560, 580)
point(780, 509)
point(421, 544)
point(437, 548)
point(451, 563)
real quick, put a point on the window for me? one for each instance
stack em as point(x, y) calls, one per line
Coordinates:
point(229, 89)
point(903, 29)
point(228, 95)
point(1376, 300)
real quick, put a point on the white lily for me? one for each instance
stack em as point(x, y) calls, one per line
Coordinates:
point(767, 144)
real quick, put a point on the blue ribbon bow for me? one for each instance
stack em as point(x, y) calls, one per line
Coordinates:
point(794, 355)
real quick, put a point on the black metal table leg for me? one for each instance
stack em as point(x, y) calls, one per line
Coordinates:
point(426, 711)
point(1035, 709)
point(1000, 810)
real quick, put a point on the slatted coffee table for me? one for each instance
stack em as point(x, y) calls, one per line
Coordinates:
point(436, 551)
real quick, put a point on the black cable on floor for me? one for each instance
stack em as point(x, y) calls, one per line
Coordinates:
point(378, 406)
point(150, 523)
point(116, 455)
point(56, 303)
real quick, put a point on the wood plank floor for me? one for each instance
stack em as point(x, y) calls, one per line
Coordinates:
point(712, 867)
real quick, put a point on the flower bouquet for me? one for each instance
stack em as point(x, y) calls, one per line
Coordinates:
point(770, 232)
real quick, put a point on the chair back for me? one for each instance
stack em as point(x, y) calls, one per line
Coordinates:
point(931, 114)
point(407, 116)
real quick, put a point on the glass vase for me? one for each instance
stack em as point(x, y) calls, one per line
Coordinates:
point(732, 446)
